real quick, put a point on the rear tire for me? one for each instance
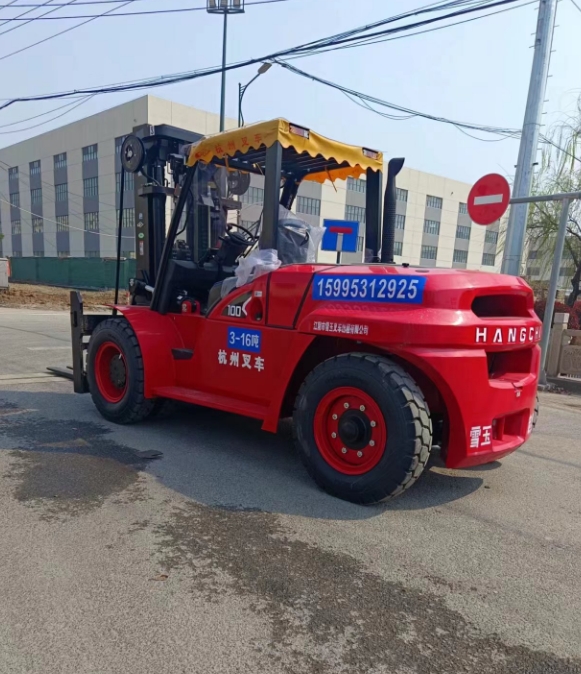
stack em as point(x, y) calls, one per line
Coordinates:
point(115, 373)
point(362, 428)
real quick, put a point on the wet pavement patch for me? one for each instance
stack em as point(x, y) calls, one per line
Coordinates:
point(328, 614)
point(67, 467)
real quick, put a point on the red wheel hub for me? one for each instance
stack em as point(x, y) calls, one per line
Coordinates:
point(350, 430)
point(111, 372)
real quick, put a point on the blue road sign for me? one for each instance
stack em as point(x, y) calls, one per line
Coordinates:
point(340, 235)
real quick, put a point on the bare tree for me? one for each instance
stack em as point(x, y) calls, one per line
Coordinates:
point(560, 171)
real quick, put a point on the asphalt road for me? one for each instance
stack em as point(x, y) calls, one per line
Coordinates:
point(223, 557)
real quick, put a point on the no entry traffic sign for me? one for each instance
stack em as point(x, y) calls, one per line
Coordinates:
point(488, 199)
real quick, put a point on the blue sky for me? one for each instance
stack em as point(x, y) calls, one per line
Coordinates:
point(477, 72)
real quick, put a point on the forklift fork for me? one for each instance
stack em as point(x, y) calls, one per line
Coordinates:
point(80, 382)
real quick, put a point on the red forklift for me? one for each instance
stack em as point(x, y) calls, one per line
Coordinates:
point(376, 362)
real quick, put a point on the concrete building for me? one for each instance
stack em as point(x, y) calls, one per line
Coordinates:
point(59, 196)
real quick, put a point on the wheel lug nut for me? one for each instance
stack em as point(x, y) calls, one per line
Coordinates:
point(359, 454)
point(333, 435)
point(362, 408)
point(372, 443)
point(344, 450)
point(334, 417)
point(373, 424)
point(346, 406)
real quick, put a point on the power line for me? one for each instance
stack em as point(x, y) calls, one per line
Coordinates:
point(64, 4)
point(176, 10)
point(13, 2)
point(409, 112)
point(422, 32)
point(42, 114)
point(62, 32)
point(26, 21)
point(71, 106)
point(313, 47)
point(576, 5)
point(72, 196)
point(79, 229)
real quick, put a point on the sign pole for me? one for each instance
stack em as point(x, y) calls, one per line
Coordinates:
point(553, 285)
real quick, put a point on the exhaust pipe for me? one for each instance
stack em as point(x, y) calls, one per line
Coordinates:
point(388, 231)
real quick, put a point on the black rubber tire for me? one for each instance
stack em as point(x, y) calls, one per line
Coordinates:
point(134, 406)
point(409, 427)
point(164, 408)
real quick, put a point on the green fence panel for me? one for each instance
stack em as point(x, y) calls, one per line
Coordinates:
point(72, 272)
point(24, 269)
point(52, 271)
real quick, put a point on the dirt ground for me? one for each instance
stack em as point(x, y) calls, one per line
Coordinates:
point(46, 297)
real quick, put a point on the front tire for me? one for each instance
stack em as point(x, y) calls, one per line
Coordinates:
point(362, 428)
point(115, 373)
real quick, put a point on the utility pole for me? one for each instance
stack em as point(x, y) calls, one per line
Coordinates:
point(224, 7)
point(517, 221)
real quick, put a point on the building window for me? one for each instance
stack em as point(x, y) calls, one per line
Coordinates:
point(254, 195)
point(566, 271)
point(491, 236)
point(533, 254)
point(34, 168)
point(15, 199)
point(356, 185)
point(91, 222)
point(38, 253)
point(355, 213)
point(64, 253)
point(129, 182)
point(429, 252)
point(399, 221)
point(16, 227)
point(463, 209)
point(401, 195)
point(37, 225)
point(91, 187)
point(128, 254)
point(434, 202)
point(534, 271)
point(36, 196)
point(90, 152)
point(61, 192)
point(460, 256)
point(13, 172)
point(432, 227)
point(92, 253)
point(128, 217)
point(62, 223)
point(397, 247)
point(308, 205)
point(60, 160)
point(16, 253)
point(463, 232)
point(488, 259)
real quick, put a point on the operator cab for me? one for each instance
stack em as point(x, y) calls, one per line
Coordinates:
point(203, 247)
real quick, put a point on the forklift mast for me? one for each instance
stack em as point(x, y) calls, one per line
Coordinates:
point(152, 189)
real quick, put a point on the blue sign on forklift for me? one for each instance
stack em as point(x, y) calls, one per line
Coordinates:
point(340, 235)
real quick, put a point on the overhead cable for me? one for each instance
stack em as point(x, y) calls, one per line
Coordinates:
point(313, 47)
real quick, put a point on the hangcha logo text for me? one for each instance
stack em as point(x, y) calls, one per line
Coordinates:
point(508, 335)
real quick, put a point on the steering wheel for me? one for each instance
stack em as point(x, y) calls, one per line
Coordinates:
point(249, 234)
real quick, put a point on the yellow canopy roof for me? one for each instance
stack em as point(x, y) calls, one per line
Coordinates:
point(340, 161)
